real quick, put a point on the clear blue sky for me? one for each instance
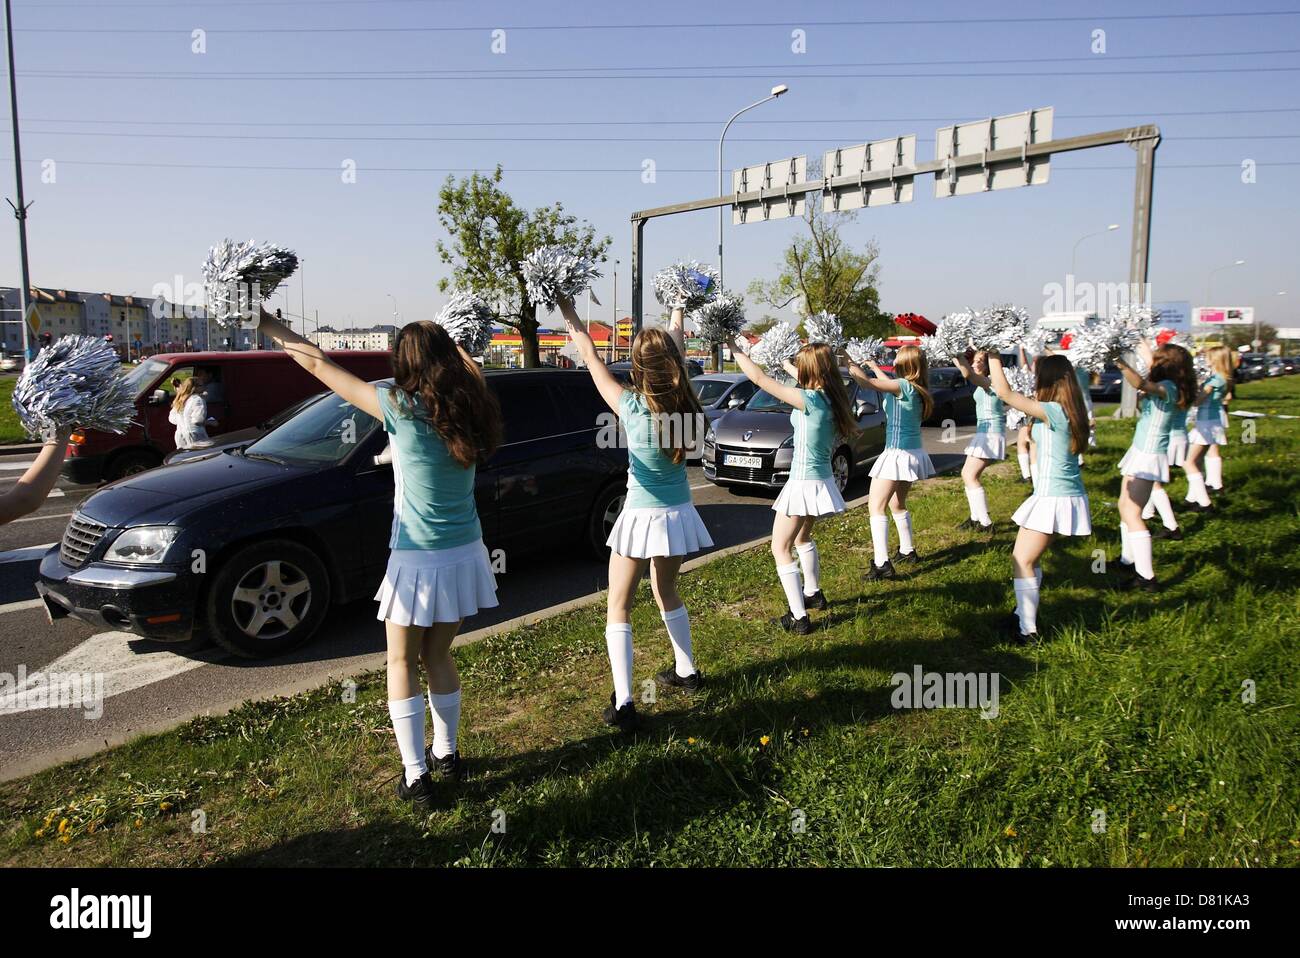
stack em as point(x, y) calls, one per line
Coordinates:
point(132, 205)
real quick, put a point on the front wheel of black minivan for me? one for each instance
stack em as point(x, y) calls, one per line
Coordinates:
point(604, 513)
point(267, 598)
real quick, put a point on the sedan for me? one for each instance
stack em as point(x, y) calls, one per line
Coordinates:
point(954, 397)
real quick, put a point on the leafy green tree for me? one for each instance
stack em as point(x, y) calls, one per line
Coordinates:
point(489, 237)
point(821, 271)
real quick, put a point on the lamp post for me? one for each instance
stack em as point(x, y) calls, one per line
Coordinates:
point(1074, 255)
point(1209, 280)
point(394, 299)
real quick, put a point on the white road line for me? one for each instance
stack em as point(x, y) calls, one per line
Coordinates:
point(53, 515)
point(22, 606)
point(26, 554)
point(108, 654)
point(703, 485)
point(17, 465)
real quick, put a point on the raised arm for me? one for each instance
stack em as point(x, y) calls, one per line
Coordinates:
point(677, 330)
point(607, 384)
point(31, 490)
point(970, 375)
point(311, 358)
point(879, 382)
point(998, 380)
point(790, 395)
point(1136, 379)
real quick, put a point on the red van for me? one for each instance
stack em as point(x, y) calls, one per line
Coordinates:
point(244, 389)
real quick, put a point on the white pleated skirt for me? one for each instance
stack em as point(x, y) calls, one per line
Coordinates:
point(424, 586)
point(1177, 453)
point(1206, 433)
point(1145, 465)
point(907, 465)
point(987, 445)
point(1055, 515)
point(809, 497)
point(660, 531)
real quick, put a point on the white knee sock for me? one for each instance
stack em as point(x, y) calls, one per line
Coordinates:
point(1140, 543)
point(678, 623)
point(1214, 472)
point(979, 504)
point(811, 564)
point(789, 576)
point(445, 708)
point(1027, 604)
point(1159, 501)
point(1125, 548)
point(880, 539)
point(903, 523)
point(618, 642)
point(408, 727)
point(1023, 459)
point(1149, 510)
point(1038, 575)
point(1196, 489)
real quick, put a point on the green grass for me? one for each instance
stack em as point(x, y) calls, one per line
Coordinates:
point(1132, 705)
point(11, 430)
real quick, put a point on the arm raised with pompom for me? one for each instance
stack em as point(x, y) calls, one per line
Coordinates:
point(607, 384)
point(790, 395)
point(29, 492)
point(998, 380)
point(1135, 379)
point(879, 382)
point(312, 358)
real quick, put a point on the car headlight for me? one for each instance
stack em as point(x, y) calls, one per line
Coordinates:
point(142, 544)
point(709, 438)
point(789, 442)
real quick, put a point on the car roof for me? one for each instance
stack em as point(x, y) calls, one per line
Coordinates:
point(720, 377)
point(253, 355)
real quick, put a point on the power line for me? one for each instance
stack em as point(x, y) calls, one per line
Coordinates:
point(757, 24)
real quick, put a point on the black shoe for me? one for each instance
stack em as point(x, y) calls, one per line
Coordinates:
point(878, 572)
point(1137, 583)
point(624, 719)
point(1012, 628)
point(906, 558)
point(1197, 507)
point(791, 624)
point(419, 794)
point(1164, 533)
point(449, 767)
point(968, 525)
point(689, 683)
point(816, 601)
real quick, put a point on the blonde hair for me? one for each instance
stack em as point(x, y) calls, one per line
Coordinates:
point(910, 364)
point(1220, 360)
point(819, 369)
point(184, 391)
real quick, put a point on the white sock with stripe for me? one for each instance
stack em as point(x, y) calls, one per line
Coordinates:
point(408, 727)
point(1023, 459)
point(903, 523)
point(1125, 549)
point(1033, 474)
point(1027, 604)
point(1143, 562)
point(678, 624)
point(880, 539)
point(1196, 489)
point(618, 643)
point(446, 721)
point(1159, 501)
point(811, 564)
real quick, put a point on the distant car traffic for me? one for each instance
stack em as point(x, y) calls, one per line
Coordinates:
point(753, 445)
point(252, 545)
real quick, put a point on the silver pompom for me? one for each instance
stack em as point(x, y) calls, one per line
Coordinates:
point(1022, 380)
point(239, 276)
point(721, 320)
point(862, 351)
point(686, 285)
point(950, 339)
point(555, 273)
point(1201, 363)
point(826, 328)
point(1038, 339)
point(75, 381)
point(1112, 338)
point(467, 318)
point(775, 346)
point(999, 328)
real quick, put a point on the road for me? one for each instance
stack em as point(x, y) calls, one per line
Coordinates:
point(150, 687)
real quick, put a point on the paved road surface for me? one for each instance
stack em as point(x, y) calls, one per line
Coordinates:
point(149, 686)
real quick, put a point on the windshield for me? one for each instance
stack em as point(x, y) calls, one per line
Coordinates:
point(143, 376)
point(708, 390)
point(766, 402)
point(323, 433)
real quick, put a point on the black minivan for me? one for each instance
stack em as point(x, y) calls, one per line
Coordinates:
point(252, 544)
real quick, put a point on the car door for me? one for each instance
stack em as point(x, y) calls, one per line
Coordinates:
point(871, 420)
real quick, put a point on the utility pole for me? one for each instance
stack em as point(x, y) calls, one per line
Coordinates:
point(613, 329)
point(20, 211)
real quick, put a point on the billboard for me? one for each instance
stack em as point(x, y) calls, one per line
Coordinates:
point(1225, 316)
point(1175, 315)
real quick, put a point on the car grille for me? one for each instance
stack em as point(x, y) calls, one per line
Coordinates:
point(762, 474)
point(79, 540)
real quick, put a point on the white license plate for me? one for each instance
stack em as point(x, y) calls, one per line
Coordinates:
point(743, 462)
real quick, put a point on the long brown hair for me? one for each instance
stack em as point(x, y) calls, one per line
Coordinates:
point(443, 388)
point(818, 369)
point(659, 374)
point(1172, 362)
point(184, 391)
point(1057, 383)
point(910, 364)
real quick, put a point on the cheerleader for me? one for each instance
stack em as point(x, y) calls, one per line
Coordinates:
point(658, 526)
point(1059, 503)
point(1209, 431)
point(907, 403)
point(1026, 456)
point(989, 444)
point(31, 490)
point(1159, 501)
point(821, 415)
point(442, 420)
point(1170, 384)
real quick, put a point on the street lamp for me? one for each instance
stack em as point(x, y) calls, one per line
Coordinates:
point(1209, 280)
point(776, 92)
point(394, 299)
point(1074, 255)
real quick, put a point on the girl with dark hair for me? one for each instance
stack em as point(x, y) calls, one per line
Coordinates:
point(1059, 504)
point(1168, 387)
point(658, 527)
point(442, 421)
point(907, 403)
point(821, 415)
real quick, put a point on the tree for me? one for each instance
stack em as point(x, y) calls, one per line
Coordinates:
point(760, 326)
point(490, 237)
point(821, 271)
point(1234, 336)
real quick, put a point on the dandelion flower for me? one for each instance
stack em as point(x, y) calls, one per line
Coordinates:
point(1010, 832)
point(764, 740)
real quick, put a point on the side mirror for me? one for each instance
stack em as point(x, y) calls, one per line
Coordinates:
point(158, 398)
point(385, 458)
point(734, 401)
